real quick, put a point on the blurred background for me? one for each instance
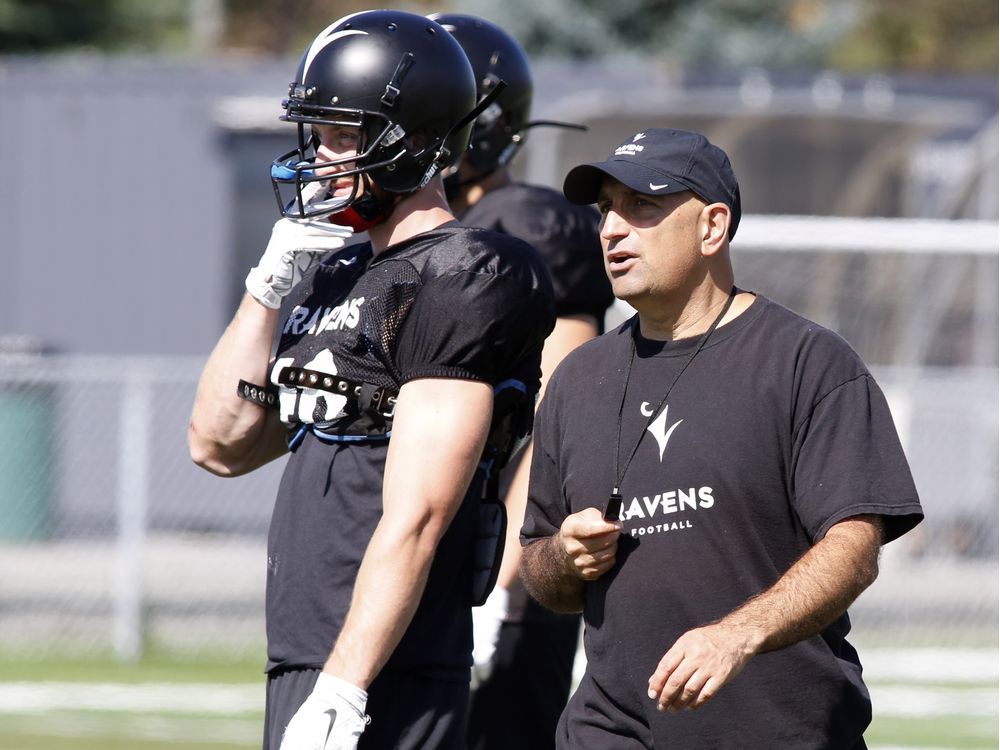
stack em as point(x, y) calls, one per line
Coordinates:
point(135, 142)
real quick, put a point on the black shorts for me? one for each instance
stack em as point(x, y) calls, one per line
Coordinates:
point(408, 711)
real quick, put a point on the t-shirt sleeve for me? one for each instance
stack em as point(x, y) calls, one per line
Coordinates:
point(547, 506)
point(473, 326)
point(848, 461)
point(569, 242)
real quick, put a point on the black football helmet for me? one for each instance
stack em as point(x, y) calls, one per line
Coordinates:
point(406, 84)
point(495, 55)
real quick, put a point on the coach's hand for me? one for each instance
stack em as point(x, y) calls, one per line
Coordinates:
point(487, 621)
point(331, 718)
point(589, 543)
point(698, 665)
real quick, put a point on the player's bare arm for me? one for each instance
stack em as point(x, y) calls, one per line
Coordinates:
point(816, 590)
point(439, 431)
point(227, 435)
point(554, 569)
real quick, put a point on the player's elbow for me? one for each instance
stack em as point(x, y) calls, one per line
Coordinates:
point(415, 535)
point(211, 455)
point(208, 460)
point(429, 527)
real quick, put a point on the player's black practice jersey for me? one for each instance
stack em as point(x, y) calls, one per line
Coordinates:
point(564, 233)
point(453, 303)
point(775, 432)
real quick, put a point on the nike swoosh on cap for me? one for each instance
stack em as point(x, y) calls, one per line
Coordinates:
point(658, 187)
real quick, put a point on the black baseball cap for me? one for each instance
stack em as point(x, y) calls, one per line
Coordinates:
point(661, 161)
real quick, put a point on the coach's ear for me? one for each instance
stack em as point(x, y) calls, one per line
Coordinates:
point(715, 218)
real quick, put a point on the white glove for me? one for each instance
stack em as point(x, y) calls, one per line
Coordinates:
point(296, 245)
point(486, 623)
point(331, 718)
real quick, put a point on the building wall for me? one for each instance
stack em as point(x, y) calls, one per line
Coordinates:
point(116, 202)
point(135, 196)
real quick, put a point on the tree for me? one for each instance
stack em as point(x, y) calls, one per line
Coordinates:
point(923, 35)
point(851, 35)
point(855, 35)
point(32, 26)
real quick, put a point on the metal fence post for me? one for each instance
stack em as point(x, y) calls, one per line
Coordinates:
point(133, 487)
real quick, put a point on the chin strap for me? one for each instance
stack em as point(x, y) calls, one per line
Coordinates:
point(350, 217)
point(368, 211)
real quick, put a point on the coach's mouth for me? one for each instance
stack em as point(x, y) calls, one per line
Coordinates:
point(619, 261)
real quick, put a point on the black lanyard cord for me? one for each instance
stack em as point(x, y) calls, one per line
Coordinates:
point(614, 503)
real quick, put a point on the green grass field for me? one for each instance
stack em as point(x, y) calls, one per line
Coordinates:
point(971, 733)
point(206, 704)
point(183, 683)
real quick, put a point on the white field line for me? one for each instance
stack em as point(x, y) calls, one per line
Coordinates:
point(930, 665)
point(229, 700)
point(887, 670)
point(927, 702)
point(174, 729)
point(188, 698)
point(922, 665)
point(927, 666)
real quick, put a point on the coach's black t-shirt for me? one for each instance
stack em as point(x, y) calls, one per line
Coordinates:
point(454, 303)
point(565, 234)
point(775, 432)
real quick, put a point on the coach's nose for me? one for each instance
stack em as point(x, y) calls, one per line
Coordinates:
point(613, 226)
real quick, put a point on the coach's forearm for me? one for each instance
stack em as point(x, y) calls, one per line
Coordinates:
point(816, 590)
point(547, 577)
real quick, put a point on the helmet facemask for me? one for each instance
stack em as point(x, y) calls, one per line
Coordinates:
point(301, 178)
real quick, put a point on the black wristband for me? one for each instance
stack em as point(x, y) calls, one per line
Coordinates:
point(262, 395)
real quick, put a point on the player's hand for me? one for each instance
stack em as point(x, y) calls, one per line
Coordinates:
point(487, 621)
point(589, 543)
point(296, 245)
point(698, 665)
point(331, 718)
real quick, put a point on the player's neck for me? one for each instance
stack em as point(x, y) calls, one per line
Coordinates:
point(417, 213)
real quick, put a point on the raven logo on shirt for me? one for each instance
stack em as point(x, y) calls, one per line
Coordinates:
point(658, 428)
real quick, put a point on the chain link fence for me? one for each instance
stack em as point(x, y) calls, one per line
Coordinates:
point(111, 540)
